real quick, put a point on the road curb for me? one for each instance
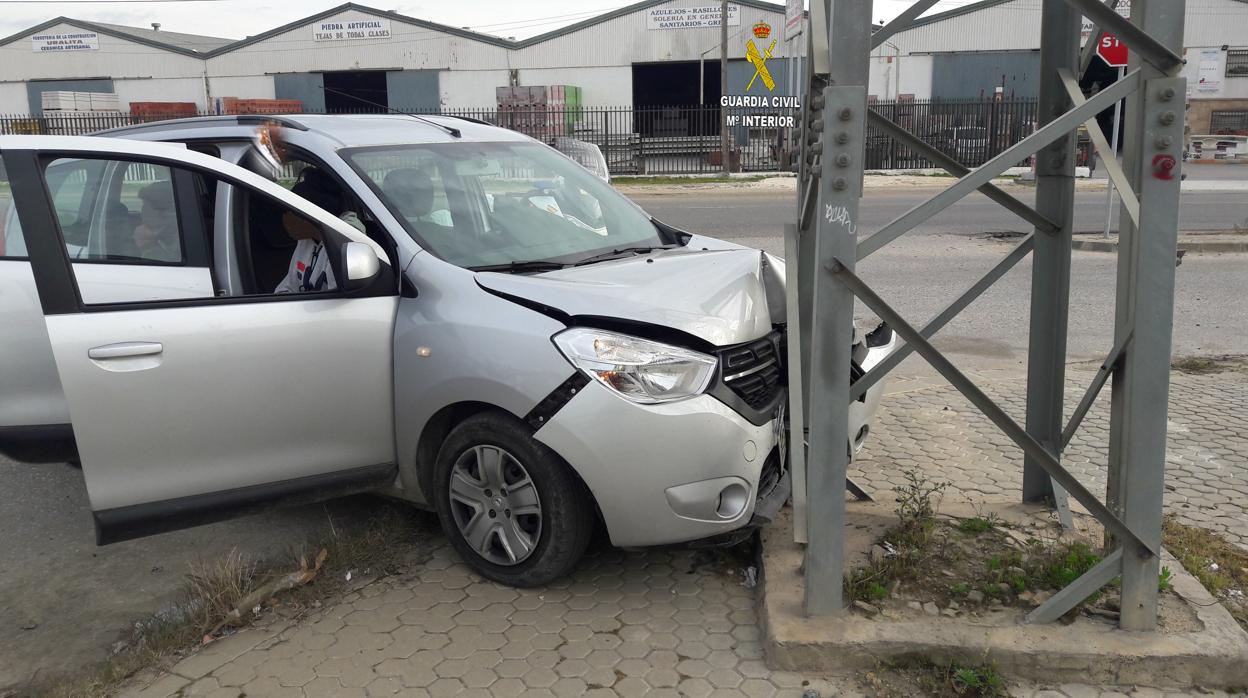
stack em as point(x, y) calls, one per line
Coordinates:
point(1194, 246)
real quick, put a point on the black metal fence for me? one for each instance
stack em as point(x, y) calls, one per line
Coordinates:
point(686, 139)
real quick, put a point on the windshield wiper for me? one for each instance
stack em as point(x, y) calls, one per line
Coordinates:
point(521, 266)
point(613, 254)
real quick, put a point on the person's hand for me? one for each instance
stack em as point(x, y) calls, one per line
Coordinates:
point(145, 236)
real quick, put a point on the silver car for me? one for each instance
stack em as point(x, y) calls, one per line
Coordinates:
point(509, 341)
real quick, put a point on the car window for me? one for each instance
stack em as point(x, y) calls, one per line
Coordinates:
point(113, 211)
point(486, 204)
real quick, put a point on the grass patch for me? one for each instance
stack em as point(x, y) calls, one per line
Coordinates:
point(976, 525)
point(1220, 566)
point(385, 544)
point(660, 181)
point(922, 676)
point(1196, 364)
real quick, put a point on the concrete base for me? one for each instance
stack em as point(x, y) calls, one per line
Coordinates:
point(1087, 651)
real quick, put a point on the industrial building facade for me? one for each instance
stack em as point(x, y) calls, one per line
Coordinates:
point(646, 54)
point(649, 70)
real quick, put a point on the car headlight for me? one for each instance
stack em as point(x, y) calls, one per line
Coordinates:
point(638, 369)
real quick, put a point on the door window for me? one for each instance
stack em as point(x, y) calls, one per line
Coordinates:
point(113, 211)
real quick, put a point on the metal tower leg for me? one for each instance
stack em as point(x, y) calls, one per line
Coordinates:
point(1050, 274)
point(848, 27)
point(1145, 306)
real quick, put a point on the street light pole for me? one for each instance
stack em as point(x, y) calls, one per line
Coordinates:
point(723, 84)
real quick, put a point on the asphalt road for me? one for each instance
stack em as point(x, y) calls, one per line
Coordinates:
point(754, 213)
point(932, 265)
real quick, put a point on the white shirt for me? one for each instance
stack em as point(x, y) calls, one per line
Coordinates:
point(310, 269)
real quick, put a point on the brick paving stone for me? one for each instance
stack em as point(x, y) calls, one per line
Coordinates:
point(679, 622)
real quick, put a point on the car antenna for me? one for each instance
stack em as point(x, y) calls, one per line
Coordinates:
point(449, 129)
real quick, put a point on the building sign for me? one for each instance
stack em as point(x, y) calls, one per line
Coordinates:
point(57, 43)
point(1209, 70)
point(349, 30)
point(760, 111)
point(691, 17)
point(794, 10)
point(762, 30)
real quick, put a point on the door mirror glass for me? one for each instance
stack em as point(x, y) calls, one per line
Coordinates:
point(361, 265)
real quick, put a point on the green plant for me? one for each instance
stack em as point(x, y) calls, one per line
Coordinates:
point(876, 591)
point(975, 525)
point(915, 506)
point(1165, 579)
point(960, 590)
point(977, 681)
point(1067, 564)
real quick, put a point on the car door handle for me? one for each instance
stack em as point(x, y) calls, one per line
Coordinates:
point(123, 350)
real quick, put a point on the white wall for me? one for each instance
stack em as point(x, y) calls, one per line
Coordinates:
point(469, 89)
point(600, 87)
point(1230, 87)
point(627, 39)
point(116, 58)
point(248, 87)
point(901, 75)
point(160, 90)
point(13, 99)
point(409, 47)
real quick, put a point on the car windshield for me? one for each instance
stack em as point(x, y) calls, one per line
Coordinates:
point(496, 204)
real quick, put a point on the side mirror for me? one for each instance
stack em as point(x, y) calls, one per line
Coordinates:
point(361, 265)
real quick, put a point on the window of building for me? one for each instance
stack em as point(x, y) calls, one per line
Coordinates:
point(1229, 122)
point(1237, 63)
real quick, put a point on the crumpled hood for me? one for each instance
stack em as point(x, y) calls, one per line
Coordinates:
point(718, 295)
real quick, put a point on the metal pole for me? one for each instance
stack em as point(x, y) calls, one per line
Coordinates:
point(1050, 279)
point(1113, 148)
point(848, 32)
point(723, 83)
point(1153, 156)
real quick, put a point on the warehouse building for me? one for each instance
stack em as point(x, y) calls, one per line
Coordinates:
point(977, 50)
point(652, 53)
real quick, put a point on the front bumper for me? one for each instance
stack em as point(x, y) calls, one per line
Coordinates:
point(663, 474)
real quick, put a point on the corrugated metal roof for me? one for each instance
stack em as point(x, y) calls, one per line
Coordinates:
point(187, 44)
point(195, 42)
point(210, 46)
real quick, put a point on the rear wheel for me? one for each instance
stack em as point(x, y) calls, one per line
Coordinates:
point(510, 506)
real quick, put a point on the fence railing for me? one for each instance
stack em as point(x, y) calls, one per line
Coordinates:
point(686, 139)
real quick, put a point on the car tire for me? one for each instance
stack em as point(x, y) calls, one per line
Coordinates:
point(526, 547)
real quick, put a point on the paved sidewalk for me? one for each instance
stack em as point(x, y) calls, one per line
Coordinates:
point(927, 425)
point(683, 623)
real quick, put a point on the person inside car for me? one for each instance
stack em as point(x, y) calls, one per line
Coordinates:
point(156, 236)
point(411, 190)
point(310, 269)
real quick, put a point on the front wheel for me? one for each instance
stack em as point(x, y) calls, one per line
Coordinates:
point(510, 506)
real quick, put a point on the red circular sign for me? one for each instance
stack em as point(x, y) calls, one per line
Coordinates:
point(1112, 51)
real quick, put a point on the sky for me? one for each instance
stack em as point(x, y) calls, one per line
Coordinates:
point(237, 19)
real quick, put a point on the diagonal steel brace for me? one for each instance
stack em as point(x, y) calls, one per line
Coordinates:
point(1108, 157)
point(1083, 587)
point(1089, 49)
point(1044, 458)
point(877, 372)
point(901, 22)
point(1136, 39)
point(1043, 136)
point(1089, 396)
point(951, 165)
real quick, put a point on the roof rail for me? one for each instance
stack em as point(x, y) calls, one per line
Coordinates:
point(240, 119)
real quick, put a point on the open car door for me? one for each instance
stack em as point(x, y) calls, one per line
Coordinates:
point(192, 406)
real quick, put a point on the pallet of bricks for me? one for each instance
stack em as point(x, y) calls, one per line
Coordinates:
point(68, 113)
point(235, 105)
point(143, 112)
point(544, 112)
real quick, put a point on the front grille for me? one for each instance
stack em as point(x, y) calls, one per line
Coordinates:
point(754, 371)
